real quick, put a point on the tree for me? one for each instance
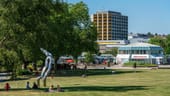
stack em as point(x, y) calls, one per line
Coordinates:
point(150, 34)
point(62, 29)
point(25, 27)
point(88, 58)
point(113, 51)
point(167, 44)
point(163, 42)
point(84, 30)
point(10, 61)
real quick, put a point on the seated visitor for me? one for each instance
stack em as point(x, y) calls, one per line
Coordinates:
point(7, 86)
point(35, 86)
point(51, 89)
point(59, 89)
point(28, 85)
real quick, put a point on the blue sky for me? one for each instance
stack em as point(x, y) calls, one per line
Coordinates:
point(144, 15)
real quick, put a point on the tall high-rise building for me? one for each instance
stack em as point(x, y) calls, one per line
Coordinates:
point(111, 25)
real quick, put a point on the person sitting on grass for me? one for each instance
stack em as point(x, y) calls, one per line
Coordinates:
point(51, 89)
point(28, 85)
point(59, 89)
point(7, 86)
point(35, 86)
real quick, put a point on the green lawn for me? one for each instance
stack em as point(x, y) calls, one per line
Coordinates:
point(100, 83)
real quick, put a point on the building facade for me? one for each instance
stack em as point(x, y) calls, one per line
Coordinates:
point(107, 45)
point(111, 25)
point(140, 52)
point(138, 38)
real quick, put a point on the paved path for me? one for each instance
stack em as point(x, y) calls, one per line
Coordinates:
point(164, 66)
point(120, 66)
point(4, 76)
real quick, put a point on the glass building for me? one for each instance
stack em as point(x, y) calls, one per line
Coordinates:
point(111, 25)
point(141, 52)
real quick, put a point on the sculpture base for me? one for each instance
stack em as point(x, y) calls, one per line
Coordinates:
point(44, 82)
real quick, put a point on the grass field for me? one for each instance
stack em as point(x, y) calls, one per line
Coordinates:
point(99, 83)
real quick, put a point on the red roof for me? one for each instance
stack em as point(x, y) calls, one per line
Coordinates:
point(69, 61)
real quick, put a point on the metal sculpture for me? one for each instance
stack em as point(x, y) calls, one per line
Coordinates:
point(46, 69)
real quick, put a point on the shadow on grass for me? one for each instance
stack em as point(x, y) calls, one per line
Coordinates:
point(17, 79)
point(127, 71)
point(24, 89)
point(105, 88)
point(91, 72)
point(87, 88)
point(81, 72)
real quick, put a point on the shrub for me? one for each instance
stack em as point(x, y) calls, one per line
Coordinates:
point(24, 72)
point(139, 64)
point(39, 63)
point(9, 61)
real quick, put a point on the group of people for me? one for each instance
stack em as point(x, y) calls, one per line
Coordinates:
point(35, 86)
point(52, 89)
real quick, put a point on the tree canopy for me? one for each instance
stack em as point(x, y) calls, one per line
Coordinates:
point(163, 42)
point(59, 27)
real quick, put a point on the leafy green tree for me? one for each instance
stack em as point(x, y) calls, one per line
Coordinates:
point(167, 44)
point(88, 57)
point(163, 42)
point(113, 51)
point(62, 29)
point(25, 27)
point(84, 30)
point(10, 61)
point(150, 34)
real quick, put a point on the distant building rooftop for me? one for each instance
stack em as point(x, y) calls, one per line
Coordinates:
point(140, 46)
point(113, 12)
